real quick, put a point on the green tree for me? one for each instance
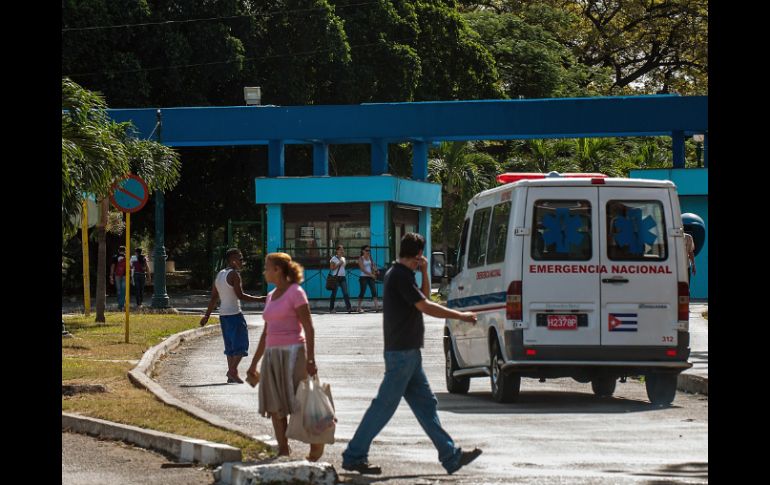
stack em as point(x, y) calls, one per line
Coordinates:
point(657, 46)
point(454, 62)
point(462, 173)
point(531, 62)
point(541, 155)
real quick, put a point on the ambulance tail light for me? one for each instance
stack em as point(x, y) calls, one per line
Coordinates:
point(684, 302)
point(513, 310)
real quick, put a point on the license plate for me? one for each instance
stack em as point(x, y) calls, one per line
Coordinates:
point(562, 322)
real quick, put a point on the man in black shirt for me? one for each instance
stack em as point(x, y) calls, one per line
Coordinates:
point(403, 305)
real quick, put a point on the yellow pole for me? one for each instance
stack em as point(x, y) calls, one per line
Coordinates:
point(128, 268)
point(86, 276)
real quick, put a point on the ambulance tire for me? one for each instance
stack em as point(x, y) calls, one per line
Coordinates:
point(661, 387)
point(455, 385)
point(505, 386)
point(603, 386)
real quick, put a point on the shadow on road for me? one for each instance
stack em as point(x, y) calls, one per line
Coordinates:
point(697, 470)
point(541, 402)
point(357, 479)
point(205, 385)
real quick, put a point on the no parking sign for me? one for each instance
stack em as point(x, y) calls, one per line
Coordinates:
point(129, 194)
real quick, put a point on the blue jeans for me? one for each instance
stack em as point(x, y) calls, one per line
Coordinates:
point(120, 285)
point(342, 283)
point(139, 281)
point(403, 377)
point(364, 282)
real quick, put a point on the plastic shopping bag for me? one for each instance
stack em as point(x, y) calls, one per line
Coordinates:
point(318, 415)
point(313, 420)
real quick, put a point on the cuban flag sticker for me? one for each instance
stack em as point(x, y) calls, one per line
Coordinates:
point(623, 322)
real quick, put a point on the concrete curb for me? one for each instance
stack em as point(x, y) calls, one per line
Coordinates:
point(183, 448)
point(140, 376)
point(320, 473)
point(693, 384)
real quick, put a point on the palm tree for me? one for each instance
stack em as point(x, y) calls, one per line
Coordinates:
point(547, 155)
point(598, 155)
point(96, 152)
point(462, 172)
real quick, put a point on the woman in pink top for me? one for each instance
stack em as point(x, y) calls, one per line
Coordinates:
point(289, 352)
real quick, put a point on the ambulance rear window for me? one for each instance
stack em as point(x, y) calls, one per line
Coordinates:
point(636, 231)
point(562, 230)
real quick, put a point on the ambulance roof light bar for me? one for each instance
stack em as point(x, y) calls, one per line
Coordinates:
point(510, 177)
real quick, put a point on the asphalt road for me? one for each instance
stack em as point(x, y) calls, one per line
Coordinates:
point(558, 432)
point(91, 461)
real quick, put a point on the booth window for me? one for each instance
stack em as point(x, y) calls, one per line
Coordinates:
point(313, 231)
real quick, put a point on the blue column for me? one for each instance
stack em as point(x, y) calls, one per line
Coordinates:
point(275, 165)
point(379, 157)
point(420, 160)
point(705, 150)
point(274, 227)
point(424, 230)
point(678, 148)
point(160, 298)
point(320, 159)
point(274, 231)
point(379, 227)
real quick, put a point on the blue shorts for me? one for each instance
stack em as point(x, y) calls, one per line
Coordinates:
point(236, 335)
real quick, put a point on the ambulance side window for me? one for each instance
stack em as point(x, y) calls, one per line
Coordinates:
point(463, 246)
point(562, 230)
point(498, 233)
point(479, 233)
point(636, 231)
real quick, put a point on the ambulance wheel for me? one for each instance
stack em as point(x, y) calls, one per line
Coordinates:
point(661, 388)
point(505, 386)
point(603, 386)
point(455, 385)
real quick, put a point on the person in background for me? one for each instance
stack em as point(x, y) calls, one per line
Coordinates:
point(138, 275)
point(368, 275)
point(228, 289)
point(118, 275)
point(337, 265)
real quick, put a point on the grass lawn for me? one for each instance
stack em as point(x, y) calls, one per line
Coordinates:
point(97, 354)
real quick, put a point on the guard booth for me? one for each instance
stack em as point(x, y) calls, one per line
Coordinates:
point(308, 217)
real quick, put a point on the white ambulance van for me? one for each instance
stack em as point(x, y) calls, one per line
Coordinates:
point(573, 275)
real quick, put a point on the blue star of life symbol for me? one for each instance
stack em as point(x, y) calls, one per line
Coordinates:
point(634, 232)
point(562, 229)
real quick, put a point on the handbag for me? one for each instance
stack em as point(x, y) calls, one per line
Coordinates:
point(331, 280)
point(313, 419)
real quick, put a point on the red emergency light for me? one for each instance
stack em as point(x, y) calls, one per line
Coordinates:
point(510, 177)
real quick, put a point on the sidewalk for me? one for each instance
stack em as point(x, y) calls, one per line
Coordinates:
point(198, 300)
point(696, 378)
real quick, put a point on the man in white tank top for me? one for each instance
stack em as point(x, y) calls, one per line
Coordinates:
point(228, 289)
